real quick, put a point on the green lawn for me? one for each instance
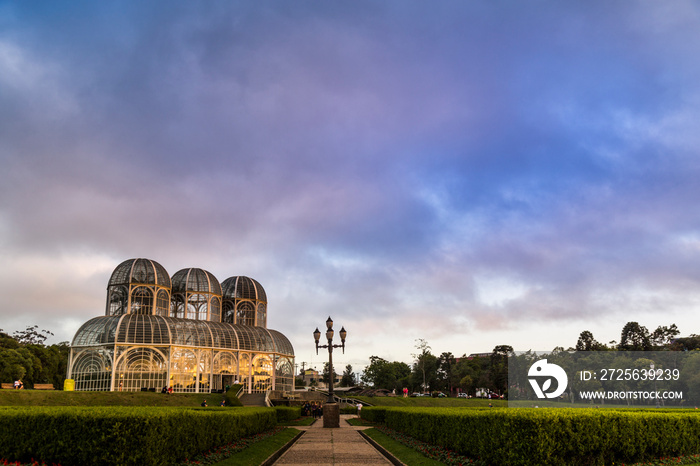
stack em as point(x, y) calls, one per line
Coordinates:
point(302, 421)
point(61, 398)
point(424, 401)
point(359, 422)
point(405, 454)
point(260, 451)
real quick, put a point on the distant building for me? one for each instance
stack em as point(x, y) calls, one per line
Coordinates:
point(188, 332)
point(310, 375)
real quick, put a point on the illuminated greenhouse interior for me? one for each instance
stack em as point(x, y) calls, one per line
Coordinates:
point(187, 332)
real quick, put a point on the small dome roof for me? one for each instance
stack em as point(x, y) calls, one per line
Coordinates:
point(142, 271)
point(243, 288)
point(195, 280)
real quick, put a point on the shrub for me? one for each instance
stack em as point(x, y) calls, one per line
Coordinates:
point(548, 436)
point(373, 414)
point(231, 399)
point(287, 413)
point(124, 435)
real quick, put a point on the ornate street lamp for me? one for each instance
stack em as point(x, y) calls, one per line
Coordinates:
point(331, 411)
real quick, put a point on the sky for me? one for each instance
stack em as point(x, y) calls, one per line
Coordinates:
point(472, 173)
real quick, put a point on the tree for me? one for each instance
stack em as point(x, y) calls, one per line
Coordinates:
point(499, 367)
point(421, 358)
point(348, 378)
point(325, 375)
point(6, 341)
point(32, 336)
point(25, 356)
point(384, 374)
point(467, 371)
point(446, 376)
point(586, 342)
point(664, 336)
point(634, 337)
point(18, 364)
point(466, 383)
point(687, 344)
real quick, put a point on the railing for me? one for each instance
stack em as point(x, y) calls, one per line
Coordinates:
point(350, 401)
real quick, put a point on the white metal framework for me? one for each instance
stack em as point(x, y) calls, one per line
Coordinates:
point(146, 343)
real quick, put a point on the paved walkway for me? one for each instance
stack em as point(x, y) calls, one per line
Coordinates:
point(342, 446)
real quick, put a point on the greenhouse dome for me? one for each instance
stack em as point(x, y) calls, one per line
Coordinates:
point(244, 301)
point(180, 342)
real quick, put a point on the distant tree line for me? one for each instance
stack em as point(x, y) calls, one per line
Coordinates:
point(636, 337)
point(24, 355)
point(447, 373)
point(444, 373)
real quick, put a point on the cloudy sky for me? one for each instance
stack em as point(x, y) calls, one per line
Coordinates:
point(470, 173)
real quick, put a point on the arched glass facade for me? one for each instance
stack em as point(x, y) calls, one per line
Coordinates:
point(160, 332)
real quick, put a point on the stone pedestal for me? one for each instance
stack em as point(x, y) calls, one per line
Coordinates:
point(331, 415)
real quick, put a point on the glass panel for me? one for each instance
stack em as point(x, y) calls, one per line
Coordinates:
point(177, 306)
point(142, 329)
point(282, 344)
point(244, 370)
point(284, 374)
point(96, 331)
point(92, 369)
point(197, 306)
point(262, 315)
point(116, 300)
point(215, 310)
point(183, 370)
point(163, 303)
point(204, 370)
point(245, 314)
point(246, 339)
point(141, 300)
point(262, 373)
point(229, 313)
point(121, 273)
point(141, 368)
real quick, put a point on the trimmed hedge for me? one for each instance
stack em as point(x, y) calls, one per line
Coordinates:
point(548, 436)
point(123, 435)
point(287, 413)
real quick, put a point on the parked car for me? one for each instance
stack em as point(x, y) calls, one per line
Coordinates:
point(462, 395)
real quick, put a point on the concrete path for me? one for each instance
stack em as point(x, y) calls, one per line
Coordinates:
point(342, 446)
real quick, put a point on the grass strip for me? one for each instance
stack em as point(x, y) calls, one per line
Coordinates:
point(258, 452)
point(353, 421)
point(302, 421)
point(405, 454)
point(61, 398)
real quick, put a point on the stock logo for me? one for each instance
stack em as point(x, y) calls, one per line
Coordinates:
point(545, 372)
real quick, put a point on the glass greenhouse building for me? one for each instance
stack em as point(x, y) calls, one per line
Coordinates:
point(188, 332)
